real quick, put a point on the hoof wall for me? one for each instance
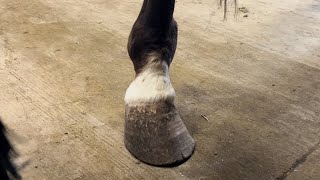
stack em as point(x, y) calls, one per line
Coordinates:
point(156, 135)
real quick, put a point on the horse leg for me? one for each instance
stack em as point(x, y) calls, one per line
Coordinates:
point(154, 131)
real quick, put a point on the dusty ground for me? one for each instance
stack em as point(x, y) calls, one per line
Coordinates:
point(64, 70)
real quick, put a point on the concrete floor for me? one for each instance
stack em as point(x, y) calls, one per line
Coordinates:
point(64, 70)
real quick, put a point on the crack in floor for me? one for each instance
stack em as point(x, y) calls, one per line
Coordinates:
point(298, 162)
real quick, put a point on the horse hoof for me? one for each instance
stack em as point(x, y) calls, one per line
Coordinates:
point(156, 135)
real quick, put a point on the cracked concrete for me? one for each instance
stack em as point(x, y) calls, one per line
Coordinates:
point(299, 162)
point(309, 169)
point(64, 70)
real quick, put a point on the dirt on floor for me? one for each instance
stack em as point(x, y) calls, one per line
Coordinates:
point(248, 88)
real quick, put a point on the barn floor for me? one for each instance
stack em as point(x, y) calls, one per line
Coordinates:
point(64, 70)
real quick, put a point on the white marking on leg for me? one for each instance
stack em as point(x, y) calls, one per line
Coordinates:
point(151, 85)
